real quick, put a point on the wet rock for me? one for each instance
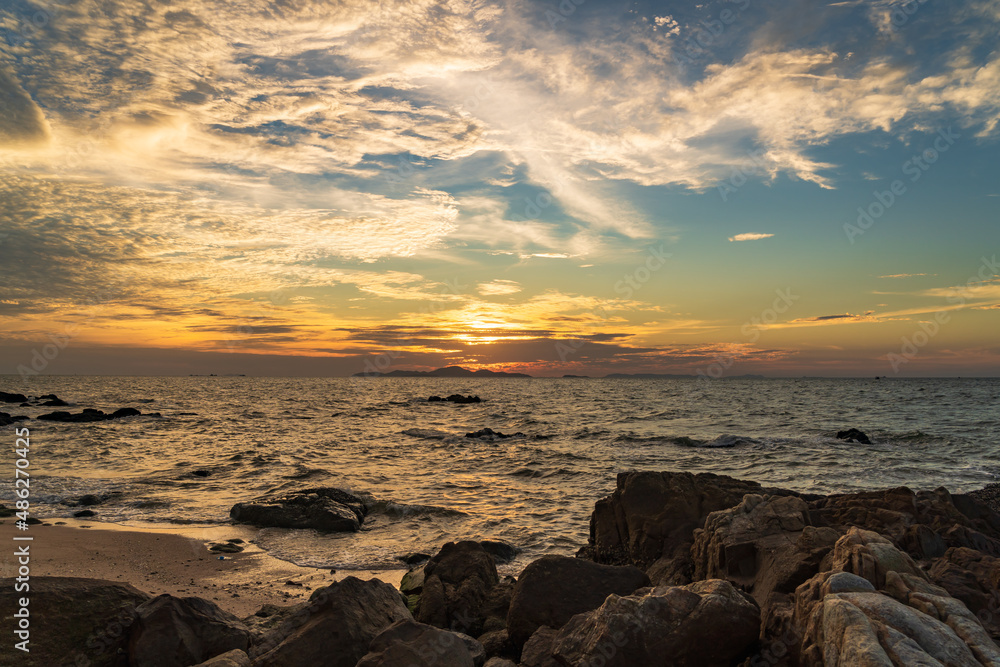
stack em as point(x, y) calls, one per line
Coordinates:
point(501, 551)
point(327, 509)
point(458, 398)
point(6, 418)
point(552, 589)
point(335, 629)
point(704, 623)
point(83, 514)
point(89, 499)
point(226, 547)
point(175, 632)
point(124, 412)
point(12, 398)
point(201, 473)
point(854, 435)
point(88, 415)
point(457, 584)
point(411, 644)
point(414, 558)
point(73, 620)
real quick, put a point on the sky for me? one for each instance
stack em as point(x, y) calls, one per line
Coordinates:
point(775, 187)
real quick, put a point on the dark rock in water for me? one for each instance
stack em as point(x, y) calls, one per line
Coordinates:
point(552, 589)
point(458, 398)
point(434, 399)
point(705, 623)
point(183, 631)
point(201, 473)
point(854, 435)
point(89, 499)
point(326, 509)
point(413, 558)
point(457, 586)
point(10, 419)
point(55, 403)
point(501, 551)
point(74, 621)
point(12, 398)
point(88, 415)
point(47, 397)
point(83, 514)
point(490, 434)
point(411, 644)
point(335, 629)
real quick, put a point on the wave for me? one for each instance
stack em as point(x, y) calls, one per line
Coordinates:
point(533, 473)
point(722, 441)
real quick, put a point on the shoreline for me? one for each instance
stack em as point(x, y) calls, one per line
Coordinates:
point(156, 560)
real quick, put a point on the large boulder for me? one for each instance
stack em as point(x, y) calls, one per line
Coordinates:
point(335, 628)
point(234, 658)
point(651, 516)
point(177, 632)
point(326, 509)
point(12, 398)
point(72, 621)
point(457, 584)
point(973, 578)
point(704, 623)
point(412, 644)
point(763, 545)
point(553, 589)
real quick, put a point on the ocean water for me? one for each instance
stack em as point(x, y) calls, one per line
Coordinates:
point(433, 484)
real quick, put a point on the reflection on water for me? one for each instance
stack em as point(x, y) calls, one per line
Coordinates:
point(222, 440)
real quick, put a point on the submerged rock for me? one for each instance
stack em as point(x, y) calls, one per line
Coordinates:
point(854, 435)
point(490, 434)
point(327, 509)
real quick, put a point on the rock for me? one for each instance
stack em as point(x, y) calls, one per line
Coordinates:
point(88, 415)
point(924, 524)
point(763, 545)
point(6, 511)
point(456, 588)
point(89, 500)
point(414, 558)
point(652, 515)
point(704, 623)
point(497, 643)
point(175, 632)
point(490, 434)
point(335, 629)
point(989, 495)
point(6, 418)
point(12, 398)
point(226, 547)
point(974, 579)
point(854, 435)
point(73, 620)
point(499, 662)
point(458, 398)
point(326, 509)
point(234, 658)
point(201, 473)
point(54, 403)
point(537, 651)
point(83, 514)
point(843, 620)
point(552, 589)
point(408, 643)
point(871, 557)
point(501, 551)
point(124, 412)
point(434, 399)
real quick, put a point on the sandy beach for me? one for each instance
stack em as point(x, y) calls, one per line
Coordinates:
point(158, 559)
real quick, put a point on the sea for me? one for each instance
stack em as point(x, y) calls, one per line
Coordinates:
point(222, 440)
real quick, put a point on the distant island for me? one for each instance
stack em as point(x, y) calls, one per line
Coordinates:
point(446, 372)
point(459, 372)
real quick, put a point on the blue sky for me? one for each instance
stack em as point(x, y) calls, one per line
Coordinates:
point(428, 183)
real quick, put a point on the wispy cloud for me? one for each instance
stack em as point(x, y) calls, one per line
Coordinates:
point(750, 236)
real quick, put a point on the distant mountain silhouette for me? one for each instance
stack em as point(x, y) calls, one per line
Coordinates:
point(446, 372)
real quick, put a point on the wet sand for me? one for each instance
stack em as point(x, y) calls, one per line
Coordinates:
point(157, 559)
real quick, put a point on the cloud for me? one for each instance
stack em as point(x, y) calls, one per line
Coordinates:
point(498, 287)
point(907, 275)
point(750, 236)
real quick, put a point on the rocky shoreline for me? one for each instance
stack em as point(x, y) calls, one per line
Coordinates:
point(680, 569)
